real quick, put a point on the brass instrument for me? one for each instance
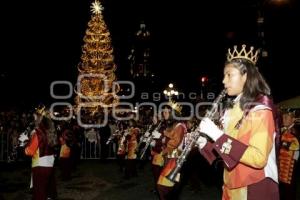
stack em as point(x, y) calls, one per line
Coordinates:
point(144, 137)
point(149, 140)
point(195, 135)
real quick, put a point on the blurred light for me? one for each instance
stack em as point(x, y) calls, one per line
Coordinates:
point(170, 91)
point(56, 113)
point(264, 53)
point(279, 2)
point(204, 79)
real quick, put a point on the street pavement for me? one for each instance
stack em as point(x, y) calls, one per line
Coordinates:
point(103, 180)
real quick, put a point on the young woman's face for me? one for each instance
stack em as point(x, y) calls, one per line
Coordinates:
point(233, 80)
point(166, 113)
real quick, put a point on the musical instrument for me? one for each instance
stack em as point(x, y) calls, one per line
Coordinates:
point(39, 113)
point(194, 137)
point(113, 136)
point(149, 140)
point(23, 139)
point(144, 137)
point(122, 145)
point(25, 135)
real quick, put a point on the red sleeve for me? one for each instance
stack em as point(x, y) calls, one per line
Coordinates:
point(33, 145)
point(230, 150)
point(175, 140)
point(207, 152)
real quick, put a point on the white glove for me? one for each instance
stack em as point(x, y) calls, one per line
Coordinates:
point(23, 138)
point(156, 134)
point(144, 139)
point(147, 134)
point(153, 143)
point(210, 128)
point(201, 142)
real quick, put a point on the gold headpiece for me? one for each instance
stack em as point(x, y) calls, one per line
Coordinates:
point(40, 109)
point(250, 55)
point(174, 105)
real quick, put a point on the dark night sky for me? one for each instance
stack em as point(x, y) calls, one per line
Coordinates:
point(189, 38)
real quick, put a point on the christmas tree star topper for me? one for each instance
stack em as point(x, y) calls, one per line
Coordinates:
point(97, 7)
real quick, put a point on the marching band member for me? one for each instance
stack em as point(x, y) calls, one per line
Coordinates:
point(173, 138)
point(40, 148)
point(157, 160)
point(247, 141)
point(288, 156)
point(65, 155)
point(131, 143)
point(121, 134)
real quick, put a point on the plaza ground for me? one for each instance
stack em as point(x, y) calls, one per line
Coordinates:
point(102, 180)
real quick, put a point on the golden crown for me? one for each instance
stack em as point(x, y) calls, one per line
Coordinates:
point(174, 105)
point(243, 53)
point(40, 109)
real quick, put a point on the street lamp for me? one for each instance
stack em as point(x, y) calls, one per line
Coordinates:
point(170, 91)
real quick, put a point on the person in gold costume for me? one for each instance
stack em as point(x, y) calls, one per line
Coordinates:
point(249, 133)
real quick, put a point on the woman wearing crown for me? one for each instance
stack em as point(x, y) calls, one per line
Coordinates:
point(41, 149)
point(247, 141)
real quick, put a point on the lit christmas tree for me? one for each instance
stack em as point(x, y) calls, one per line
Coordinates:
point(96, 88)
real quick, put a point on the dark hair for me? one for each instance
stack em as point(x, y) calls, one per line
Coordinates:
point(132, 123)
point(170, 121)
point(48, 128)
point(255, 84)
point(45, 123)
point(289, 111)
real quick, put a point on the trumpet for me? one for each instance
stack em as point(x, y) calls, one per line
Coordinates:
point(194, 137)
point(149, 140)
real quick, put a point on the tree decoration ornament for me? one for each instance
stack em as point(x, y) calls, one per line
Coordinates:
point(96, 8)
